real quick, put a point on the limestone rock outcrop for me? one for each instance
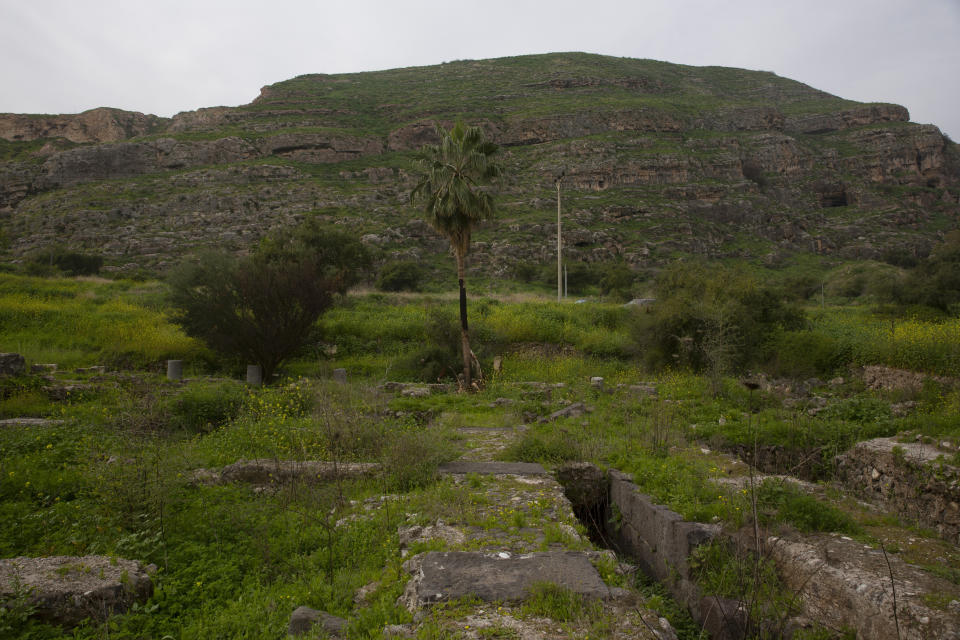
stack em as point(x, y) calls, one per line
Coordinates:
point(93, 126)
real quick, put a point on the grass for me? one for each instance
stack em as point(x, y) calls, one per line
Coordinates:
point(82, 322)
point(918, 345)
point(113, 480)
point(558, 603)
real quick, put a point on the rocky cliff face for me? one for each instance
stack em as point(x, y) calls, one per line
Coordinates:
point(660, 160)
point(96, 125)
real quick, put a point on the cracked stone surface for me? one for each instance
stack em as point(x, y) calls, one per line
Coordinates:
point(67, 589)
point(845, 583)
point(268, 472)
point(486, 442)
point(502, 577)
point(29, 422)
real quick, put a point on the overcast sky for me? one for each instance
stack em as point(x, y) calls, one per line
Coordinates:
point(166, 56)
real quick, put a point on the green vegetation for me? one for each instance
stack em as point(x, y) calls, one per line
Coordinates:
point(80, 322)
point(666, 162)
point(402, 275)
point(115, 476)
point(714, 319)
point(263, 307)
point(935, 281)
point(72, 263)
point(550, 601)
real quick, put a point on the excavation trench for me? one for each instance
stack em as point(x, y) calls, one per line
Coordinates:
point(838, 582)
point(659, 541)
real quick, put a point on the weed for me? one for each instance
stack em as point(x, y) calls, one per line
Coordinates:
point(558, 603)
point(498, 632)
point(657, 598)
point(206, 407)
point(748, 579)
point(16, 608)
point(546, 446)
point(784, 502)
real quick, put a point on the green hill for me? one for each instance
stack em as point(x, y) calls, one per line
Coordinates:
point(661, 161)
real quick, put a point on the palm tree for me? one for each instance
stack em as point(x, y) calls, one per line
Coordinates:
point(451, 186)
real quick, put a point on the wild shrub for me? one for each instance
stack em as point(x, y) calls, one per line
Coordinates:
point(732, 572)
point(527, 271)
point(578, 278)
point(546, 446)
point(935, 281)
point(713, 319)
point(262, 308)
point(799, 287)
point(866, 278)
point(24, 402)
point(78, 264)
point(16, 608)
point(438, 356)
point(73, 263)
point(403, 275)
point(805, 354)
point(617, 281)
point(753, 171)
point(900, 257)
point(411, 459)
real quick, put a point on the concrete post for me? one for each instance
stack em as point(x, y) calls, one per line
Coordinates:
point(174, 369)
point(254, 375)
point(340, 375)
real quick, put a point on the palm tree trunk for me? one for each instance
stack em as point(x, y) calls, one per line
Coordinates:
point(464, 338)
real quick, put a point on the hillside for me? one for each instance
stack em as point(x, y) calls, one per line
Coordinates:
point(662, 160)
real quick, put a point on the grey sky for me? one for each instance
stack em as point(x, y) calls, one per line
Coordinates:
point(165, 56)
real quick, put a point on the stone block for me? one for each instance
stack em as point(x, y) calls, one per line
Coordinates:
point(66, 590)
point(441, 576)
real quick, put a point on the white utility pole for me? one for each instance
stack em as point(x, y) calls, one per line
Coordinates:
point(559, 244)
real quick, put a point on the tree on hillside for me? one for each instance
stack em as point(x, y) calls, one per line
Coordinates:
point(935, 281)
point(261, 308)
point(452, 183)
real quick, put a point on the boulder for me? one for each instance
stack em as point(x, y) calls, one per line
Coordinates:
point(439, 531)
point(303, 619)
point(842, 583)
point(29, 422)
point(574, 410)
